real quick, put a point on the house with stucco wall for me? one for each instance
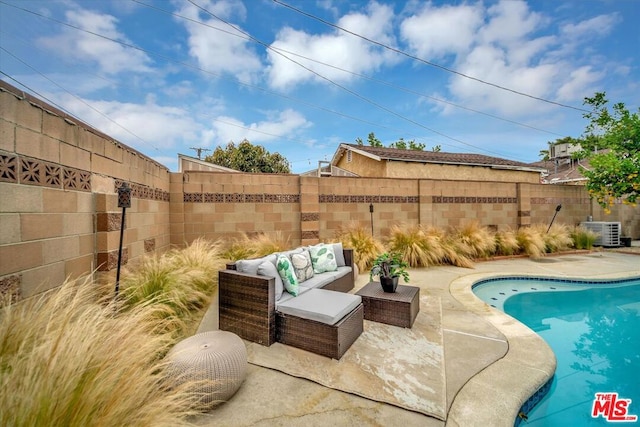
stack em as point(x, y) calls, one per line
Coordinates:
point(384, 162)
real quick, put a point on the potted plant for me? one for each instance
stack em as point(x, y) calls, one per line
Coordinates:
point(389, 267)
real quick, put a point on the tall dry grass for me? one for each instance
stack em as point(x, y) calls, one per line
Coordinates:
point(506, 243)
point(365, 247)
point(181, 281)
point(473, 241)
point(259, 245)
point(68, 360)
point(557, 238)
point(412, 244)
point(531, 241)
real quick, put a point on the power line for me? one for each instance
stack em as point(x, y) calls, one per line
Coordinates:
point(362, 76)
point(432, 64)
point(344, 88)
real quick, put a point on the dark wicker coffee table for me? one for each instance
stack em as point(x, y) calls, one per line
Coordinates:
point(399, 308)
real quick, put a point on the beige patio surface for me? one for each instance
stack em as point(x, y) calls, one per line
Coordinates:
point(492, 363)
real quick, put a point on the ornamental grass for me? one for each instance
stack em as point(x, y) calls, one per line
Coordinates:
point(417, 247)
point(181, 282)
point(259, 245)
point(67, 359)
point(583, 238)
point(531, 241)
point(556, 238)
point(506, 243)
point(365, 247)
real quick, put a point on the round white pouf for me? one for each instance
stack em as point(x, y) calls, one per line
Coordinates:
point(217, 358)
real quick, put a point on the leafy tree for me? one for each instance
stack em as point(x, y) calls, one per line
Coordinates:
point(400, 144)
point(436, 148)
point(371, 140)
point(614, 172)
point(247, 157)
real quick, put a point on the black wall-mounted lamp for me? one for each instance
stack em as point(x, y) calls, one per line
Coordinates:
point(371, 212)
point(554, 216)
point(124, 202)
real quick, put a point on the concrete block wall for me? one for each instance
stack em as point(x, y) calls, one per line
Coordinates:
point(58, 202)
point(214, 205)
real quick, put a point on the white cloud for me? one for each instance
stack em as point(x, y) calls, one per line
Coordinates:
point(437, 32)
point(277, 126)
point(600, 25)
point(112, 57)
point(146, 127)
point(338, 48)
point(221, 50)
point(579, 83)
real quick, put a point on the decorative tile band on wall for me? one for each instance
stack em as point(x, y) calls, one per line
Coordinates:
point(337, 198)
point(143, 191)
point(240, 198)
point(109, 260)
point(309, 216)
point(524, 214)
point(310, 235)
point(10, 288)
point(26, 170)
point(558, 200)
point(446, 199)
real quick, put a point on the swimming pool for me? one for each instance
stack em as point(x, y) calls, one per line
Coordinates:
point(593, 327)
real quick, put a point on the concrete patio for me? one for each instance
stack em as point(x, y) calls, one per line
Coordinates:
point(492, 363)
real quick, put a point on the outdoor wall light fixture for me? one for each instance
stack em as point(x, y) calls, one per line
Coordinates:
point(554, 216)
point(371, 212)
point(124, 202)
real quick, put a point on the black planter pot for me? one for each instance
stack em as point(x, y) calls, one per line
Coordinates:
point(389, 284)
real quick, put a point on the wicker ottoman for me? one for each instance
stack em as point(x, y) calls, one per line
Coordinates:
point(218, 359)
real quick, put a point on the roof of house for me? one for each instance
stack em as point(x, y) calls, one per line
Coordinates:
point(563, 171)
point(438, 157)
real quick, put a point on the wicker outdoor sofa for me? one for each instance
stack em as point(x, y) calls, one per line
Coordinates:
point(324, 318)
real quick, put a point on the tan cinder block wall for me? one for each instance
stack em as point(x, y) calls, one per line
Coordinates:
point(58, 181)
point(218, 205)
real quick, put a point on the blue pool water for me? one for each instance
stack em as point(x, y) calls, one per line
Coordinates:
point(594, 330)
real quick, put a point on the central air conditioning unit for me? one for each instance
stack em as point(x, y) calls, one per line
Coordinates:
point(608, 232)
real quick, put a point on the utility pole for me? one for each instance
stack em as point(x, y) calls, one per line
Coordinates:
point(199, 151)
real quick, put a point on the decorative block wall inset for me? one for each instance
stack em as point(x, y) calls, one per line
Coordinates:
point(309, 216)
point(142, 191)
point(10, 288)
point(150, 245)
point(310, 235)
point(106, 221)
point(445, 199)
point(343, 198)
point(8, 168)
point(240, 198)
point(109, 260)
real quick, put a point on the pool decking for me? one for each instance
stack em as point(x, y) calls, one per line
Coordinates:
point(492, 363)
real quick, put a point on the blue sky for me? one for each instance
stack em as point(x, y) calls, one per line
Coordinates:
point(301, 77)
